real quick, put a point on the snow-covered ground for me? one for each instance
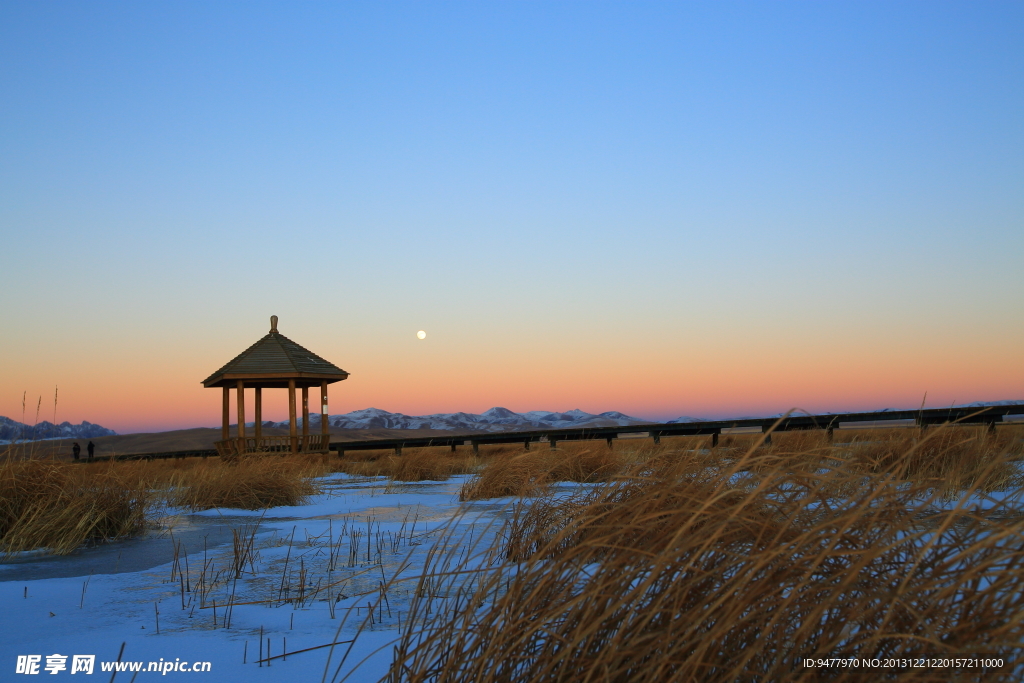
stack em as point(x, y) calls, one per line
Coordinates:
point(91, 602)
point(315, 572)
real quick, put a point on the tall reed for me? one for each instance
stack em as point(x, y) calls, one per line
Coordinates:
point(691, 566)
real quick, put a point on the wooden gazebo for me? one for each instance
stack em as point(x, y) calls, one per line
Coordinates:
point(274, 362)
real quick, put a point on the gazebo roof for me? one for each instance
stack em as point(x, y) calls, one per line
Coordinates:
point(274, 360)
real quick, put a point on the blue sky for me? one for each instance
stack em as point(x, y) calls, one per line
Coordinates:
point(550, 189)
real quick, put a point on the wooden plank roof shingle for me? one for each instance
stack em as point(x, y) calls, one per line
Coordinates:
point(272, 361)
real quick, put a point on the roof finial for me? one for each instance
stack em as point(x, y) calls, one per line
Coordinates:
point(273, 324)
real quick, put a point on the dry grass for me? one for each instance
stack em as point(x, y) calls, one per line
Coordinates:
point(523, 474)
point(693, 566)
point(421, 464)
point(61, 505)
point(528, 473)
point(415, 464)
point(250, 483)
point(46, 504)
point(508, 470)
point(951, 457)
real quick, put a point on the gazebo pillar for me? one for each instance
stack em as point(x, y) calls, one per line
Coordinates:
point(258, 408)
point(225, 431)
point(291, 415)
point(305, 418)
point(324, 425)
point(240, 400)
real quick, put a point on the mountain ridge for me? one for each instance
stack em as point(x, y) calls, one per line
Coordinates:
point(12, 430)
point(496, 419)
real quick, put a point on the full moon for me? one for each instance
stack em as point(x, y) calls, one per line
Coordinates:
point(421, 334)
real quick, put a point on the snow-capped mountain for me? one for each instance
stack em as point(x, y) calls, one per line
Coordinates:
point(494, 420)
point(12, 430)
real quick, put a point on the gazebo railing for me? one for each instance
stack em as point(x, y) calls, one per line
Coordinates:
point(316, 443)
point(311, 443)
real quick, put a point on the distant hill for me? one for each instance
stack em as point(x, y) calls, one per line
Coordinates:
point(11, 430)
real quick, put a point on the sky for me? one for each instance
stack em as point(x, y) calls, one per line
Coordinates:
point(706, 209)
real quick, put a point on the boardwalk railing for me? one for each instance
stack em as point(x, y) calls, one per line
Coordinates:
point(990, 417)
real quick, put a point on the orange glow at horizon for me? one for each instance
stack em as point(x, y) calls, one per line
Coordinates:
point(754, 378)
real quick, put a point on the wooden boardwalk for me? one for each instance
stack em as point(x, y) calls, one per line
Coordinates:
point(990, 416)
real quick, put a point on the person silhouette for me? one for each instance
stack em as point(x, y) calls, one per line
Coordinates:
point(91, 447)
point(76, 450)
